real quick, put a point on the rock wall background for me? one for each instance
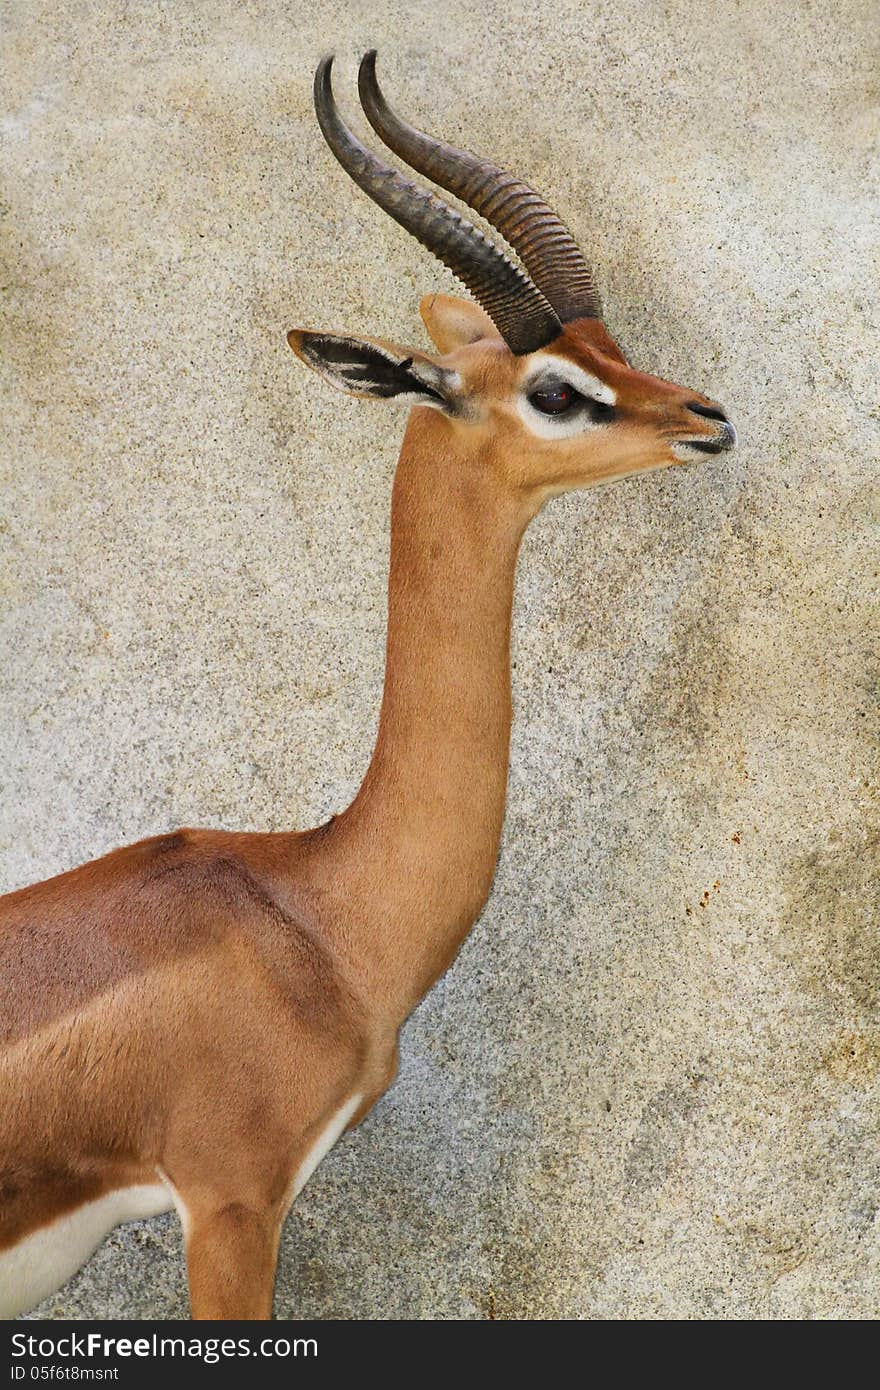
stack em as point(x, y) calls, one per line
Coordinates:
point(648, 1088)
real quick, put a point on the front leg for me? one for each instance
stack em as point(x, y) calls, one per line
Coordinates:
point(231, 1254)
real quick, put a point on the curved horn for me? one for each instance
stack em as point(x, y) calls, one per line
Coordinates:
point(519, 311)
point(543, 242)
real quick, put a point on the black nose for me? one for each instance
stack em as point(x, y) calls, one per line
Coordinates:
point(711, 412)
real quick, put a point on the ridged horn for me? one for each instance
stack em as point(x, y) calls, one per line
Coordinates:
point(519, 311)
point(541, 240)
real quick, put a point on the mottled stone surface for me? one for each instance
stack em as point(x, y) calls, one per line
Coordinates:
point(649, 1087)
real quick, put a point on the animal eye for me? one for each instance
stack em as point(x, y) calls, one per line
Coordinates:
point(555, 398)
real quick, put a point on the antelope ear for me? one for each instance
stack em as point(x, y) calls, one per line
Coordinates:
point(453, 323)
point(377, 370)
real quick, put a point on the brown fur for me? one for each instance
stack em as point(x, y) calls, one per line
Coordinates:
point(202, 1003)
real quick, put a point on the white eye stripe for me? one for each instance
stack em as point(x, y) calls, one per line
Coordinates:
point(554, 426)
point(546, 365)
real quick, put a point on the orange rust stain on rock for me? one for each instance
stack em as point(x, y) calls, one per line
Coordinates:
point(853, 1058)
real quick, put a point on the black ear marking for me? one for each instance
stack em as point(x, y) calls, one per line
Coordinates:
point(365, 368)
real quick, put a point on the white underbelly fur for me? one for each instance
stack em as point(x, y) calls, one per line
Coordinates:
point(44, 1260)
point(323, 1144)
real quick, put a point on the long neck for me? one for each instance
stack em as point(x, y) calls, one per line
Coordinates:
point(416, 850)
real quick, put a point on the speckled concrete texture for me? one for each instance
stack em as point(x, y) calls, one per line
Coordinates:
point(649, 1086)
